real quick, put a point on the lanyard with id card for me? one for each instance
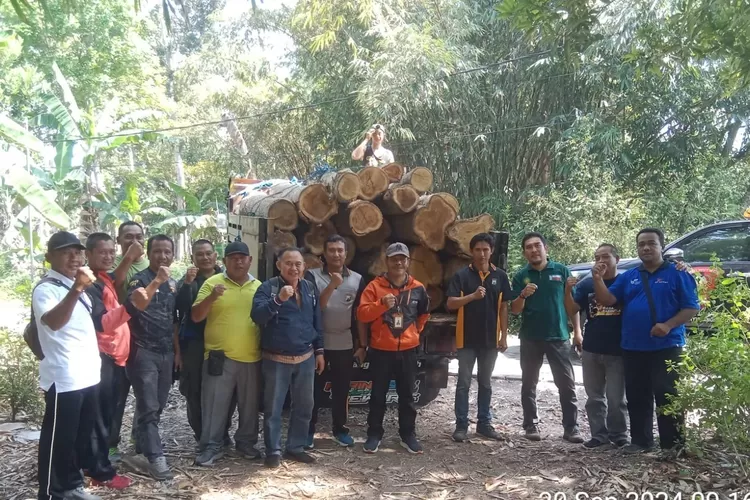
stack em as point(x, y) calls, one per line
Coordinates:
point(398, 316)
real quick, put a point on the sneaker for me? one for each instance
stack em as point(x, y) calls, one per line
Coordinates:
point(116, 483)
point(272, 461)
point(249, 452)
point(411, 445)
point(532, 433)
point(310, 444)
point(79, 494)
point(573, 436)
point(593, 443)
point(459, 435)
point(159, 469)
point(634, 449)
point(343, 439)
point(114, 455)
point(372, 444)
point(621, 443)
point(301, 457)
point(489, 432)
point(208, 457)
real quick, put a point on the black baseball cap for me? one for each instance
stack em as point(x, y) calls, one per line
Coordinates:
point(397, 249)
point(236, 247)
point(63, 239)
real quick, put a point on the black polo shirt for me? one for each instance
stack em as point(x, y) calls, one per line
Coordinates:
point(152, 329)
point(478, 322)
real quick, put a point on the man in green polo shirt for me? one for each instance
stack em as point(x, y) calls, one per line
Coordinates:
point(540, 299)
point(232, 362)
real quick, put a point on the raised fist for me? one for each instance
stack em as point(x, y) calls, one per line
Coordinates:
point(528, 291)
point(218, 291)
point(479, 293)
point(571, 282)
point(139, 298)
point(190, 275)
point(598, 270)
point(84, 278)
point(163, 274)
point(336, 279)
point(135, 251)
point(389, 300)
point(286, 292)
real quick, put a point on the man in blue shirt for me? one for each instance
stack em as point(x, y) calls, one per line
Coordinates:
point(653, 333)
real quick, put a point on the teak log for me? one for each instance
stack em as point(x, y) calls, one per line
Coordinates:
point(425, 266)
point(374, 239)
point(343, 185)
point(373, 182)
point(419, 177)
point(312, 261)
point(351, 250)
point(281, 210)
point(370, 263)
point(316, 204)
point(451, 267)
point(452, 200)
point(359, 218)
point(437, 297)
point(282, 239)
point(316, 236)
point(394, 171)
point(399, 199)
point(427, 224)
point(463, 230)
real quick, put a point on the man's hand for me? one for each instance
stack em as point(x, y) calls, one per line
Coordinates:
point(502, 345)
point(336, 280)
point(190, 275)
point(570, 283)
point(162, 275)
point(139, 298)
point(597, 272)
point(320, 363)
point(369, 133)
point(285, 293)
point(389, 300)
point(578, 341)
point(681, 265)
point(479, 293)
point(134, 252)
point(360, 354)
point(218, 291)
point(84, 279)
point(177, 362)
point(660, 330)
point(528, 291)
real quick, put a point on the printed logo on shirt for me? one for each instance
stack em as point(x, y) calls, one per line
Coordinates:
point(660, 281)
point(494, 281)
point(555, 277)
point(133, 283)
point(636, 281)
point(348, 298)
point(597, 310)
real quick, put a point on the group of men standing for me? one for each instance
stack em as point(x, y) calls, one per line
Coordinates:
point(125, 321)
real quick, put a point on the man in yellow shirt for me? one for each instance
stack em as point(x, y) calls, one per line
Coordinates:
point(232, 358)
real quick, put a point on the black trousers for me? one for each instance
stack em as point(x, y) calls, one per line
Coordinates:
point(96, 460)
point(69, 418)
point(647, 379)
point(558, 356)
point(385, 366)
point(340, 364)
point(118, 410)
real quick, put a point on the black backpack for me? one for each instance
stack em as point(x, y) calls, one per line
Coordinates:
point(31, 333)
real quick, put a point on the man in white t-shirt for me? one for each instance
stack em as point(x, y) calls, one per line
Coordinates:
point(70, 371)
point(373, 154)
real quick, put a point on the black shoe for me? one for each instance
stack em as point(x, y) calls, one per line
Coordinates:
point(621, 443)
point(532, 433)
point(593, 443)
point(489, 432)
point(272, 461)
point(573, 436)
point(301, 457)
point(459, 435)
point(248, 452)
point(635, 449)
point(411, 445)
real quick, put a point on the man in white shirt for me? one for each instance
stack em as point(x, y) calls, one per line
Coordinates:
point(371, 150)
point(70, 371)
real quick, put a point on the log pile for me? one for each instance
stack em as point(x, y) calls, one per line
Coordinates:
point(371, 209)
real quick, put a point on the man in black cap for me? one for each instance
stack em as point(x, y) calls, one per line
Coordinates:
point(232, 362)
point(70, 371)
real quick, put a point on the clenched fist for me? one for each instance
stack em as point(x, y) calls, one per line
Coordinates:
point(190, 275)
point(479, 293)
point(571, 282)
point(285, 293)
point(139, 298)
point(336, 280)
point(598, 270)
point(163, 274)
point(389, 300)
point(84, 278)
point(135, 251)
point(218, 291)
point(529, 290)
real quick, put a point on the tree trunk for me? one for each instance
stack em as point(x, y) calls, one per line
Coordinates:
point(394, 171)
point(180, 172)
point(399, 200)
point(359, 218)
point(462, 231)
point(452, 201)
point(281, 239)
point(315, 203)
point(282, 211)
point(316, 236)
point(343, 185)
point(437, 297)
point(425, 226)
point(370, 263)
point(419, 177)
point(374, 239)
point(452, 266)
point(373, 182)
point(425, 266)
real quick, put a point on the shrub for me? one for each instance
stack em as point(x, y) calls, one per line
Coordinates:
point(714, 387)
point(19, 374)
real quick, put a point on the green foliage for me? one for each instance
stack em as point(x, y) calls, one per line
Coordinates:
point(19, 373)
point(714, 387)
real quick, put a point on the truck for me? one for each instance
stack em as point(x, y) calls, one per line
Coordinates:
point(438, 345)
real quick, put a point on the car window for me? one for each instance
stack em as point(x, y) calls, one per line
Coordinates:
point(727, 244)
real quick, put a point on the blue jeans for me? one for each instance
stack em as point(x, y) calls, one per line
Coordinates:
point(466, 358)
point(278, 379)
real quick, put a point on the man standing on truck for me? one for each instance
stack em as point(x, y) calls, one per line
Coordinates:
point(601, 357)
point(151, 300)
point(540, 290)
point(287, 309)
point(397, 307)
point(657, 301)
point(371, 150)
point(480, 293)
point(232, 345)
point(340, 289)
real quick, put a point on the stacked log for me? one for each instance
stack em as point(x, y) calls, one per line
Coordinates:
point(462, 231)
point(373, 182)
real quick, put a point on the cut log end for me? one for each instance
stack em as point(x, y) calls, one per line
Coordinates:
point(312, 261)
point(431, 222)
point(425, 266)
point(394, 171)
point(419, 177)
point(364, 217)
point(316, 236)
point(462, 231)
point(373, 182)
point(282, 239)
point(400, 199)
point(316, 204)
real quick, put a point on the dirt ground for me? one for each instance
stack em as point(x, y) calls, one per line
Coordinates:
point(511, 469)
